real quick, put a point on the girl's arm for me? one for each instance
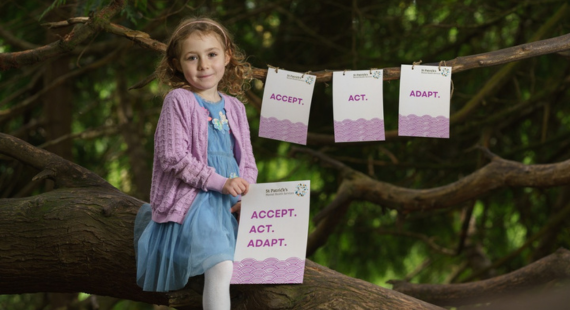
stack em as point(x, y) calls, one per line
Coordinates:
point(174, 144)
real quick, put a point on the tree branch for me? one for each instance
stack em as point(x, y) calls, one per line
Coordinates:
point(65, 45)
point(326, 225)
point(499, 173)
point(104, 130)
point(13, 40)
point(555, 220)
point(310, 32)
point(511, 54)
point(429, 241)
point(66, 23)
point(551, 268)
point(32, 100)
point(22, 90)
point(50, 165)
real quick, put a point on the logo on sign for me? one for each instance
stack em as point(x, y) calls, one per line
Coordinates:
point(301, 189)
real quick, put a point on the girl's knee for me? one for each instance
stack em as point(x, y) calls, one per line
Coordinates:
point(220, 269)
point(226, 266)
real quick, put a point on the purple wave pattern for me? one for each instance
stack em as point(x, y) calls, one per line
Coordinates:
point(285, 130)
point(423, 126)
point(268, 271)
point(361, 129)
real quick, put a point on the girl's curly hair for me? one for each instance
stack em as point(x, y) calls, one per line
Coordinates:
point(238, 71)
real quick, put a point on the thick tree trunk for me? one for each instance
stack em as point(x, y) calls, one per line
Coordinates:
point(58, 101)
point(70, 240)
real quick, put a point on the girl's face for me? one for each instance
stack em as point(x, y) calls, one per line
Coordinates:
point(203, 62)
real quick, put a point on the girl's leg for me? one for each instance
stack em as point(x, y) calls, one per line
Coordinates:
point(217, 286)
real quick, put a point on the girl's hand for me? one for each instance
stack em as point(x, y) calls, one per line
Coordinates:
point(236, 208)
point(236, 186)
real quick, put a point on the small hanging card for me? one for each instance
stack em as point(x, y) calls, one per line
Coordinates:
point(286, 105)
point(272, 234)
point(424, 101)
point(358, 106)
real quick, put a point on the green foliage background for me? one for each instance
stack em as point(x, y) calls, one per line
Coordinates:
point(525, 119)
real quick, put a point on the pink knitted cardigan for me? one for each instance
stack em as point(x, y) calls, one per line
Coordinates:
point(180, 167)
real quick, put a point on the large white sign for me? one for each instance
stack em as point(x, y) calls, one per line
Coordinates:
point(358, 106)
point(286, 105)
point(272, 235)
point(424, 101)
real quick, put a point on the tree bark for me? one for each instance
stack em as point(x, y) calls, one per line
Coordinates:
point(551, 268)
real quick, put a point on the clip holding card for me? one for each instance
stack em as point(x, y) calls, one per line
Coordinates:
point(416, 63)
point(272, 67)
point(444, 64)
point(372, 69)
point(305, 73)
point(344, 72)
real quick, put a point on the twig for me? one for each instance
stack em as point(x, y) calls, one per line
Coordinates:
point(426, 239)
point(86, 134)
point(553, 222)
point(30, 101)
point(65, 23)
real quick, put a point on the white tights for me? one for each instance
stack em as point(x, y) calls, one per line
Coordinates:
point(217, 286)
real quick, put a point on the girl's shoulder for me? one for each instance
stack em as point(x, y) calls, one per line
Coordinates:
point(180, 96)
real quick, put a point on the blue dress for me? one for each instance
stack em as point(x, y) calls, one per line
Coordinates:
point(170, 253)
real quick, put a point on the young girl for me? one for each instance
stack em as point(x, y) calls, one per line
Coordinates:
point(203, 163)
